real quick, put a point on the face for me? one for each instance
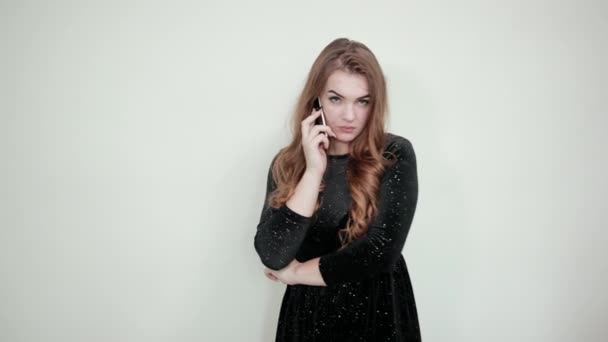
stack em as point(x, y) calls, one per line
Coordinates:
point(346, 103)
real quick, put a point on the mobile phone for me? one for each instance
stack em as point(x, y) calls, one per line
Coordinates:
point(321, 118)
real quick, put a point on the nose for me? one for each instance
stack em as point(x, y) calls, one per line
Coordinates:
point(349, 113)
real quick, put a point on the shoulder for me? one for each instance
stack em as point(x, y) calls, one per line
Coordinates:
point(276, 156)
point(398, 147)
point(272, 163)
point(401, 151)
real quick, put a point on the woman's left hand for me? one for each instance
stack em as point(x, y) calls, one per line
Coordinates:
point(286, 275)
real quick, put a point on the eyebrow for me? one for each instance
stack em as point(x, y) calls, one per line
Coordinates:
point(333, 91)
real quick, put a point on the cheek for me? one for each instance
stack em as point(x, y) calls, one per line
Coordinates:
point(330, 116)
point(363, 115)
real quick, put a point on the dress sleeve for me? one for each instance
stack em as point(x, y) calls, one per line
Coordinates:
point(380, 248)
point(280, 232)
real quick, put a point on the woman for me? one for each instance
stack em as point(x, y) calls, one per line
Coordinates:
point(339, 203)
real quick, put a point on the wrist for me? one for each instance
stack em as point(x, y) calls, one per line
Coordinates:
point(295, 274)
point(313, 174)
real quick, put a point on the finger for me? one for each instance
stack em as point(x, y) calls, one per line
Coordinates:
point(320, 140)
point(310, 133)
point(269, 275)
point(317, 139)
point(315, 130)
point(307, 123)
point(325, 141)
point(332, 132)
point(311, 118)
point(329, 131)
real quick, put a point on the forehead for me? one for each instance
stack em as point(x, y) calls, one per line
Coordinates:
point(347, 84)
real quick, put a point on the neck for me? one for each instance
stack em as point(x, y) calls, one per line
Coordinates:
point(337, 148)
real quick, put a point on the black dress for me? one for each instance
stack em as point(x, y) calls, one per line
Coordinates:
point(369, 296)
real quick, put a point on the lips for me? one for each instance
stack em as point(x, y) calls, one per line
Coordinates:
point(347, 129)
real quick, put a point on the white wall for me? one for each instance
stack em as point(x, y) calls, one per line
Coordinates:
point(136, 137)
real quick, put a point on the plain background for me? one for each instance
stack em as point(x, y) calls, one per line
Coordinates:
point(136, 137)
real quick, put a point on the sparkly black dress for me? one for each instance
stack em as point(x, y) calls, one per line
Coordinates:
point(369, 296)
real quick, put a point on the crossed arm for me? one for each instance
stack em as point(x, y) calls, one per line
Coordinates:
point(374, 253)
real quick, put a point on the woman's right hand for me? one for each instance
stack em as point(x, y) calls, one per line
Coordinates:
point(315, 143)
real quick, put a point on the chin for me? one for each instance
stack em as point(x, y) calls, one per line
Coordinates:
point(343, 139)
point(348, 136)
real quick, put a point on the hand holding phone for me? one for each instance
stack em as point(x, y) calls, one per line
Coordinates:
point(316, 147)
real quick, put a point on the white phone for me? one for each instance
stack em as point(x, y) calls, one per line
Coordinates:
point(321, 119)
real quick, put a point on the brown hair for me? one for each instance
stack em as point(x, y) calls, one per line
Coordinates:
point(366, 163)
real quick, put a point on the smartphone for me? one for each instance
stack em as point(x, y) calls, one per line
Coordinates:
point(321, 119)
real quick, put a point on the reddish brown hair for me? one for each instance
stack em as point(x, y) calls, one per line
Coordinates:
point(366, 163)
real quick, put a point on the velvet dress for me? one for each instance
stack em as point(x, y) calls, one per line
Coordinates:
point(369, 295)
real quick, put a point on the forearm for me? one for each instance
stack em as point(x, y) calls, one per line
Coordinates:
point(304, 199)
point(307, 273)
point(281, 230)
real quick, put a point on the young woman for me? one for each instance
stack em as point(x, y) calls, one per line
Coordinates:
point(340, 199)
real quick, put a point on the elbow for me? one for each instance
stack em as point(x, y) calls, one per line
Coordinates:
point(383, 262)
point(274, 264)
point(271, 257)
point(387, 264)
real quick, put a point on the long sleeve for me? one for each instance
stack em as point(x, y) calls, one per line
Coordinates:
point(280, 232)
point(380, 248)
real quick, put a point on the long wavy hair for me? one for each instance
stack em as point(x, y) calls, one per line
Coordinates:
point(366, 163)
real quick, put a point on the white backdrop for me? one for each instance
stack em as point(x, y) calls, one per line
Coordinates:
point(136, 137)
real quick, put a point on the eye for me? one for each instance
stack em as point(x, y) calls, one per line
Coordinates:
point(365, 102)
point(332, 98)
